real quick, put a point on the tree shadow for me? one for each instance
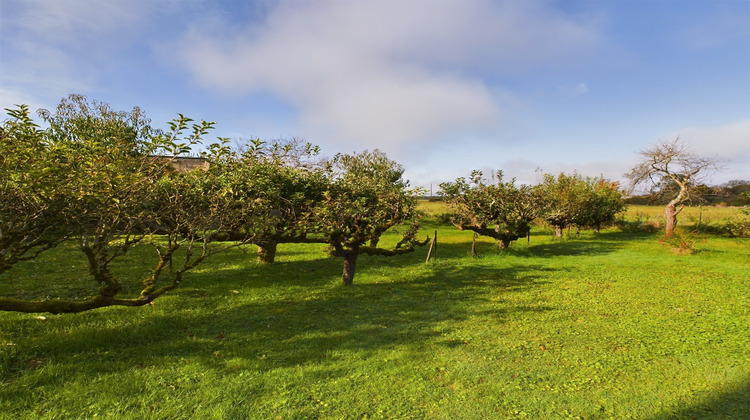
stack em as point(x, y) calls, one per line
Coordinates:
point(312, 320)
point(729, 405)
point(572, 247)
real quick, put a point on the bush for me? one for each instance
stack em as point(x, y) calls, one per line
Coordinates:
point(446, 218)
point(634, 226)
point(736, 227)
point(680, 242)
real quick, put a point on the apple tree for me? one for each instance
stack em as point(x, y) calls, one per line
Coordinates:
point(112, 194)
point(492, 207)
point(366, 195)
point(32, 190)
point(286, 183)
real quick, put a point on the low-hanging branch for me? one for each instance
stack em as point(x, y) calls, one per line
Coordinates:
point(110, 287)
point(399, 249)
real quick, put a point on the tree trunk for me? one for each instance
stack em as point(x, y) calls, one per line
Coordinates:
point(266, 251)
point(671, 211)
point(671, 215)
point(350, 264)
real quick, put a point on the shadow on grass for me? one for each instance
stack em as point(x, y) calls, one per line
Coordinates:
point(540, 245)
point(572, 247)
point(730, 405)
point(275, 317)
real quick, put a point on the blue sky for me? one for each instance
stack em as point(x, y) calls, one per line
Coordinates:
point(442, 86)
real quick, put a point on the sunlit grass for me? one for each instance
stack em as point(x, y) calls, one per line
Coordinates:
point(609, 325)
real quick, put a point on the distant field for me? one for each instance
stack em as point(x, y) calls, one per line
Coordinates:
point(691, 216)
point(610, 325)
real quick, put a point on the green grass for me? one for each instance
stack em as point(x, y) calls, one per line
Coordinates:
point(609, 325)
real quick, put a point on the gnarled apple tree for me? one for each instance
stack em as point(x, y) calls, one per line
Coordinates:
point(492, 207)
point(367, 196)
point(672, 162)
point(116, 194)
point(286, 183)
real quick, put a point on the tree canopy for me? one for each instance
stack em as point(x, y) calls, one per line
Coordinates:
point(492, 207)
point(572, 200)
point(104, 180)
point(92, 177)
point(366, 196)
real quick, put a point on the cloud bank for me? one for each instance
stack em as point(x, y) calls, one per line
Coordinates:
point(53, 48)
point(386, 73)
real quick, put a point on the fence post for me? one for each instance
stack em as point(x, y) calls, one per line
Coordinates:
point(473, 245)
point(433, 248)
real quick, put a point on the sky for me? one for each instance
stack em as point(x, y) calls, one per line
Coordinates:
point(442, 86)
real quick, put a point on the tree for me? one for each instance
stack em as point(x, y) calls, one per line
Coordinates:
point(674, 163)
point(117, 195)
point(571, 200)
point(492, 208)
point(564, 196)
point(601, 203)
point(31, 187)
point(286, 184)
point(366, 196)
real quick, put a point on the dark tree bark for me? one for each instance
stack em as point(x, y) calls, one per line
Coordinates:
point(350, 265)
point(266, 251)
point(67, 306)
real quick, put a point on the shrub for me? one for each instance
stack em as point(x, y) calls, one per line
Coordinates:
point(680, 242)
point(634, 226)
point(446, 218)
point(736, 227)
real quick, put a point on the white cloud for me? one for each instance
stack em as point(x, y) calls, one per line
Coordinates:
point(382, 73)
point(725, 140)
point(53, 48)
point(730, 142)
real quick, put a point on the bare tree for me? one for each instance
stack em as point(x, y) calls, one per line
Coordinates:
point(672, 162)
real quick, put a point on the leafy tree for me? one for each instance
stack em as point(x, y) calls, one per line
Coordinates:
point(286, 184)
point(493, 207)
point(366, 196)
point(117, 194)
point(31, 187)
point(735, 192)
point(601, 203)
point(672, 162)
point(564, 197)
point(571, 200)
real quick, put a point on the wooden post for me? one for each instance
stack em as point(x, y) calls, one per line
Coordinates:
point(473, 245)
point(433, 248)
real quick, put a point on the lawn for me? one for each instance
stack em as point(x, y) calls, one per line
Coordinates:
point(609, 325)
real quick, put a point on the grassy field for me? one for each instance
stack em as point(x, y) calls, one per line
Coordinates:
point(609, 325)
